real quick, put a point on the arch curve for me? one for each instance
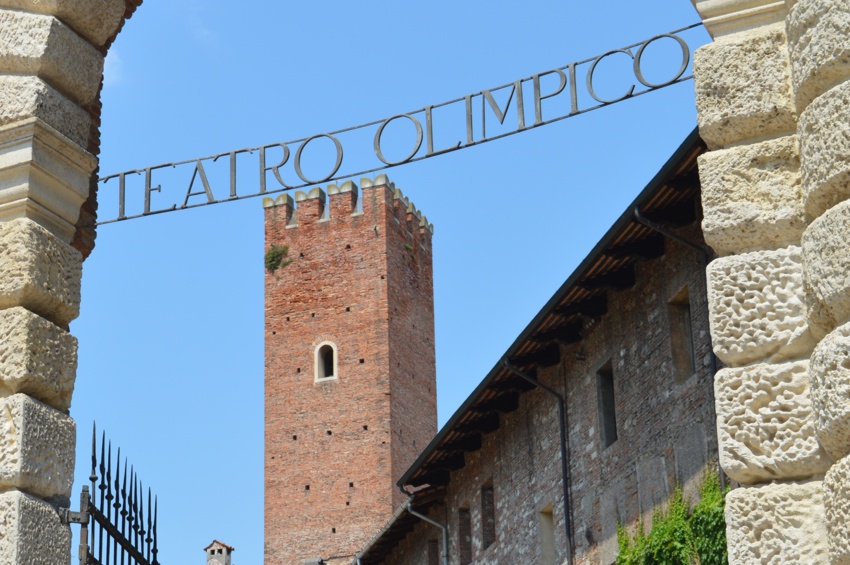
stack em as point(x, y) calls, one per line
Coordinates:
point(325, 361)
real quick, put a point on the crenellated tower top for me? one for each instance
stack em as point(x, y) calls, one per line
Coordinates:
point(350, 367)
point(345, 200)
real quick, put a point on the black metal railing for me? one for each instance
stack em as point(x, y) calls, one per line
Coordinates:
point(118, 518)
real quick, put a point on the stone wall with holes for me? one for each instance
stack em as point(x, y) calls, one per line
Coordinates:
point(774, 105)
point(356, 273)
point(51, 63)
point(665, 432)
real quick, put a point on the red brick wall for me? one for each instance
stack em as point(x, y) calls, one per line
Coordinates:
point(665, 430)
point(364, 282)
point(411, 340)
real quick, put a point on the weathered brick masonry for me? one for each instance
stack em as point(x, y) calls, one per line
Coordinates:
point(358, 276)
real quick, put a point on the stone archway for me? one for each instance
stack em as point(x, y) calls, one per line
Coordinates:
point(779, 115)
point(51, 56)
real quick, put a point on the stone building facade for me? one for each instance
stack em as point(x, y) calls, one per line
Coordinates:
point(625, 342)
point(350, 379)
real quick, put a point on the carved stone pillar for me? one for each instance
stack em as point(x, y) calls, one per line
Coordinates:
point(51, 64)
point(773, 99)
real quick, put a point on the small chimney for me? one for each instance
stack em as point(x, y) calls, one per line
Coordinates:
point(218, 553)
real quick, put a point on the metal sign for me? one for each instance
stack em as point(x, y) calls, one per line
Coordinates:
point(490, 114)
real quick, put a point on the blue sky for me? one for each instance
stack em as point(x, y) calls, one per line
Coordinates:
point(171, 327)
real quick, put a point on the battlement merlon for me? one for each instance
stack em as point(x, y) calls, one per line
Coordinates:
point(284, 204)
point(343, 198)
point(404, 208)
point(312, 206)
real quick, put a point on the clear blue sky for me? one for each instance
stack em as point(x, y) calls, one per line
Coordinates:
point(171, 329)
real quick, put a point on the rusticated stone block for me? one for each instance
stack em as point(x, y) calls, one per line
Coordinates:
point(756, 307)
point(36, 358)
point(819, 46)
point(825, 150)
point(40, 45)
point(96, 22)
point(738, 99)
point(40, 273)
point(830, 382)
point(751, 197)
point(31, 532)
point(764, 423)
point(27, 97)
point(827, 265)
point(836, 499)
point(776, 524)
point(36, 447)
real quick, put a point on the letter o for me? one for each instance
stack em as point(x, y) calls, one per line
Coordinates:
point(380, 132)
point(686, 58)
point(337, 165)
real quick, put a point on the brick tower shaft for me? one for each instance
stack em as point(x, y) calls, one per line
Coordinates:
point(350, 385)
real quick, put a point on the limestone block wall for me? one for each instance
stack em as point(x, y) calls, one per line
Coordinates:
point(51, 65)
point(774, 106)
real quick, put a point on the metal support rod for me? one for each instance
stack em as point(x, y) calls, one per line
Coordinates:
point(667, 233)
point(563, 442)
point(704, 250)
point(434, 523)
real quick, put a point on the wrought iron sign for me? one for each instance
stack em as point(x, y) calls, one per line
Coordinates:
point(490, 114)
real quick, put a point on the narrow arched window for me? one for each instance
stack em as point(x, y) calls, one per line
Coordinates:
point(326, 361)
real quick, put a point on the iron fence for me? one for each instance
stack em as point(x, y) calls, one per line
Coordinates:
point(118, 518)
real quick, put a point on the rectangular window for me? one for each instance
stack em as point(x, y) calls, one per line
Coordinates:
point(547, 537)
point(464, 536)
point(607, 414)
point(681, 336)
point(488, 516)
point(433, 552)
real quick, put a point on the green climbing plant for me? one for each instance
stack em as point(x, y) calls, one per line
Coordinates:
point(709, 523)
point(632, 549)
point(679, 537)
point(276, 258)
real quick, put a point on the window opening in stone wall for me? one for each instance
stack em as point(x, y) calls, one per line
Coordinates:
point(464, 536)
point(605, 395)
point(547, 536)
point(488, 515)
point(433, 552)
point(681, 336)
point(326, 361)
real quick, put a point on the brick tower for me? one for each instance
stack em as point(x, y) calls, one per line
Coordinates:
point(350, 368)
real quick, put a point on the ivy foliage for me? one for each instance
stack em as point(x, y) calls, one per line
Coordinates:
point(709, 523)
point(276, 257)
point(679, 537)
